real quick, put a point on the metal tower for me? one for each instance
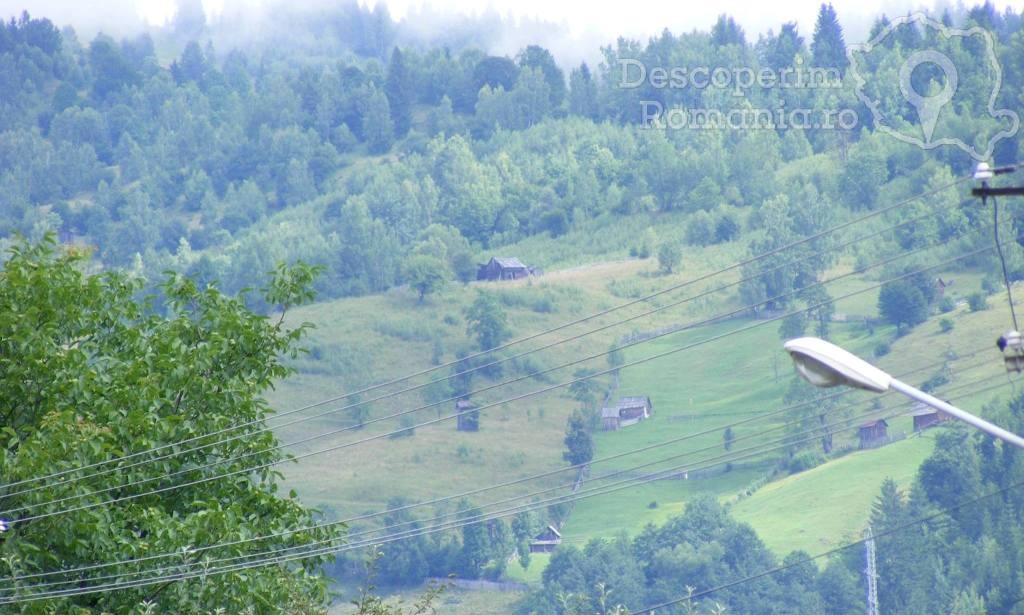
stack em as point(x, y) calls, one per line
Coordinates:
point(871, 572)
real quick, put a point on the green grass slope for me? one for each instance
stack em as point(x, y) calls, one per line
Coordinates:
point(366, 340)
point(841, 492)
point(372, 339)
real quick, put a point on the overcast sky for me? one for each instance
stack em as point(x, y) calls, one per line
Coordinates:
point(585, 19)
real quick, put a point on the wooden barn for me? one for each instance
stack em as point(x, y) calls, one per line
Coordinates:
point(467, 416)
point(629, 411)
point(873, 434)
point(503, 268)
point(925, 417)
point(546, 541)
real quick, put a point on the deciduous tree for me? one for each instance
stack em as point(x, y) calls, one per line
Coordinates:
point(88, 374)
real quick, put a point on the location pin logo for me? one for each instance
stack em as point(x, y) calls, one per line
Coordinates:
point(928, 107)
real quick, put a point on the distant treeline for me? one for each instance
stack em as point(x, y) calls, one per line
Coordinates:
point(221, 162)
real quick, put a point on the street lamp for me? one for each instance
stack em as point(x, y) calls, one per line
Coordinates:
point(827, 365)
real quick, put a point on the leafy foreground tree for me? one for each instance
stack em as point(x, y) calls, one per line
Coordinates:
point(89, 374)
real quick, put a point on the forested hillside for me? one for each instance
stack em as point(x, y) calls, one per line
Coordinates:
point(219, 162)
point(341, 151)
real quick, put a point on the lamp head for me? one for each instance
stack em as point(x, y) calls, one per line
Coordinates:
point(827, 365)
point(983, 172)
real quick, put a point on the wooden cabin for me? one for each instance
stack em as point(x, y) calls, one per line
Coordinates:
point(503, 268)
point(546, 541)
point(925, 417)
point(467, 416)
point(628, 411)
point(873, 434)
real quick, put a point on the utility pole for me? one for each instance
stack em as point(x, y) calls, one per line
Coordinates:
point(1011, 341)
point(871, 572)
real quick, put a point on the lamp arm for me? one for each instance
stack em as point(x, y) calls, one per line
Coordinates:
point(967, 417)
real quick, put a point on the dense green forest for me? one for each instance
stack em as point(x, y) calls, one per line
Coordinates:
point(186, 162)
point(221, 163)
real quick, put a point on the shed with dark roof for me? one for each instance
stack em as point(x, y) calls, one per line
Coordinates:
point(874, 433)
point(503, 268)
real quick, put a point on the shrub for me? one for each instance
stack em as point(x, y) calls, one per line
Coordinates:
point(669, 256)
point(882, 349)
point(977, 302)
point(532, 364)
point(947, 305)
point(934, 382)
point(727, 227)
point(805, 460)
point(862, 263)
point(701, 229)
point(946, 325)
point(543, 305)
point(758, 483)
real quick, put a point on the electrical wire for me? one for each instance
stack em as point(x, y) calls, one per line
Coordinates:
point(120, 469)
point(816, 432)
point(440, 419)
point(476, 392)
point(389, 529)
point(1002, 261)
point(732, 456)
point(759, 417)
point(391, 511)
point(511, 343)
point(206, 570)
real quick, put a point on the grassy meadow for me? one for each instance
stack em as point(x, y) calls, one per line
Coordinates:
point(701, 385)
point(842, 491)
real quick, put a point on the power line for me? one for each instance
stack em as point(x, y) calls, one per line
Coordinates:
point(1002, 261)
point(207, 571)
point(648, 297)
point(816, 430)
point(448, 400)
point(758, 417)
point(753, 451)
point(731, 456)
point(440, 419)
point(501, 360)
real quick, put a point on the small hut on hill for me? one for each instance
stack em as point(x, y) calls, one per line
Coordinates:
point(874, 433)
point(629, 411)
point(467, 417)
point(504, 268)
point(546, 541)
point(926, 416)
